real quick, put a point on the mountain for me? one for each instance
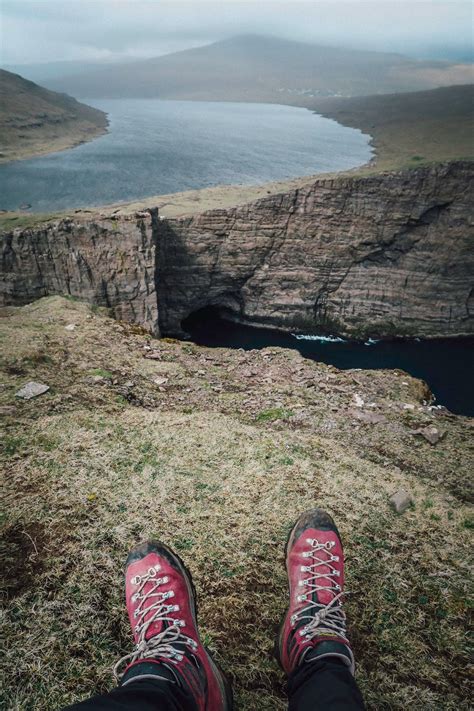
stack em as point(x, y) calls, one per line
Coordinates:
point(254, 68)
point(44, 72)
point(34, 120)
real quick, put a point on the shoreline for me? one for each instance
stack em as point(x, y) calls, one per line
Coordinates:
point(63, 143)
point(407, 131)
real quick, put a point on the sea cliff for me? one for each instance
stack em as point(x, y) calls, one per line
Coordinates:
point(383, 255)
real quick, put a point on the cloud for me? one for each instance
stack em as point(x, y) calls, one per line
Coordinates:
point(50, 30)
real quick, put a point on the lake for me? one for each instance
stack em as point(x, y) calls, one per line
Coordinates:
point(156, 147)
point(445, 364)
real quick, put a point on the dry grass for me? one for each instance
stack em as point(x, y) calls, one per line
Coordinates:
point(35, 121)
point(98, 464)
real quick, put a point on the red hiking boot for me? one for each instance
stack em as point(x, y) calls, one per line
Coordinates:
point(162, 610)
point(314, 625)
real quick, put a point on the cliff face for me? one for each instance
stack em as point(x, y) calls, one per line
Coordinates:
point(386, 255)
point(383, 255)
point(105, 262)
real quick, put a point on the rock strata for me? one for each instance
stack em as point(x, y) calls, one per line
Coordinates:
point(106, 262)
point(385, 255)
point(391, 254)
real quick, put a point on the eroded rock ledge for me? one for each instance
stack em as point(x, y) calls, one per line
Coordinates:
point(390, 254)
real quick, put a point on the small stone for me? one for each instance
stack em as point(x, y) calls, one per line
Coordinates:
point(431, 434)
point(129, 384)
point(70, 327)
point(160, 381)
point(408, 406)
point(31, 390)
point(358, 400)
point(370, 418)
point(154, 355)
point(94, 379)
point(401, 501)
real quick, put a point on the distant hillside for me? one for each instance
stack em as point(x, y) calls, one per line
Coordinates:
point(34, 121)
point(410, 129)
point(253, 68)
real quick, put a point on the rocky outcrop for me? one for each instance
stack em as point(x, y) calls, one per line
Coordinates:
point(105, 262)
point(384, 255)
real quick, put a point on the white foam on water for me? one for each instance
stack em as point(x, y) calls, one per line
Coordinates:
point(321, 339)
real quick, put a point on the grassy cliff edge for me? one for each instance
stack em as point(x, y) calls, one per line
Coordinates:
point(216, 452)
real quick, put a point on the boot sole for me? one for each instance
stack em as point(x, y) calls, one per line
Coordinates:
point(224, 685)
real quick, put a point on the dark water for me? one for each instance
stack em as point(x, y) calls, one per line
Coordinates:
point(445, 364)
point(158, 147)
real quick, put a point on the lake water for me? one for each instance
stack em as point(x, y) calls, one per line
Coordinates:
point(445, 364)
point(157, 147)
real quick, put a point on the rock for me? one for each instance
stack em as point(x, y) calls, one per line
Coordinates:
point(70, 327)
point(153, 355)
point(89, 263)
point(94, 379)
point(432, 434)
point(31, 390)
point(312, 252)
point(347, 264)
point(129, 384)
point(401, 501)
point(408, 406)
point(370, 418)
point(160, 380)
point(358, 400)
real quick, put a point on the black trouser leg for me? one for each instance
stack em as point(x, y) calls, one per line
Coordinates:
point(142, 695)
point(325, 685)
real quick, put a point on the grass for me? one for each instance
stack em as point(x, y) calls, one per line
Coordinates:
point(87, 478)
point(410, 129)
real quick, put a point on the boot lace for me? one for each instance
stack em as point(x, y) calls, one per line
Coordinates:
point(321, 619)
point(151, 608)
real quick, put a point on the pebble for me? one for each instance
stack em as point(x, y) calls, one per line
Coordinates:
point(31, 390)
point(371, 418)
point(400, 501)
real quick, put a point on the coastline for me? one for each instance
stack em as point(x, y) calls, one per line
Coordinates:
point(407, 131)
point(42, 147)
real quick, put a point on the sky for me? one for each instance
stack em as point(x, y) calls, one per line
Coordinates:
point(35, 31)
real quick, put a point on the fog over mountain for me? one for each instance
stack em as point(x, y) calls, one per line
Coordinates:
point(259, 68)
point(104, 30)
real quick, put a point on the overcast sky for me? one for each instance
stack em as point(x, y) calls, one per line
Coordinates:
point(52, 30)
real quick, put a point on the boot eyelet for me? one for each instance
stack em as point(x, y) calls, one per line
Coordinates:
point(135, 580)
